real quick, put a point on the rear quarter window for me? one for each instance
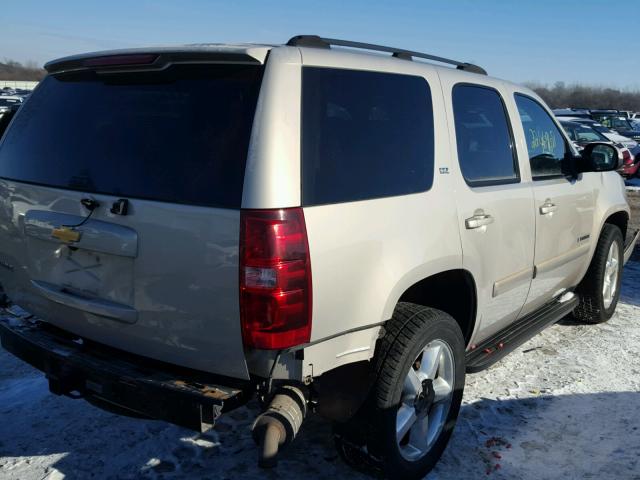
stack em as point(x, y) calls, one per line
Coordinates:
point(365, 135)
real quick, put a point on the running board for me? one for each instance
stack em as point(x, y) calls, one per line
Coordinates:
point(629, 245)
point(505, 341)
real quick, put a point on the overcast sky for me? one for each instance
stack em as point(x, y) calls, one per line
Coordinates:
point(586, 41)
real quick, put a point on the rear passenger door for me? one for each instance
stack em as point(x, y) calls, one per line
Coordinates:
point(495, 210)
point(564, 206)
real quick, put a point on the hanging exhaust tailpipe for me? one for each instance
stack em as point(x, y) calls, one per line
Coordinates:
point(277, 426)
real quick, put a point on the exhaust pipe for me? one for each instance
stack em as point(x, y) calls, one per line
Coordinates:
point(279, 424)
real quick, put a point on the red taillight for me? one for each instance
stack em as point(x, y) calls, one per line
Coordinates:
point(627, 159)
point(275, 278)
point(121, 60)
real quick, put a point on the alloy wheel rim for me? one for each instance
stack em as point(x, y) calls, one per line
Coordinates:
point(426, 398)
point(610, 281)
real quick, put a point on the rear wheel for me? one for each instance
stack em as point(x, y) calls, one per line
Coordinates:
point(600, 289)
point(416, 398)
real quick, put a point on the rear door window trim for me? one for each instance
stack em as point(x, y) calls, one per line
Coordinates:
point(512, 144)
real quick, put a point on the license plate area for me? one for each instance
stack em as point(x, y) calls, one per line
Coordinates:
point(82, 272)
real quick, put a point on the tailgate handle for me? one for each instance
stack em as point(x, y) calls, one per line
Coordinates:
point(103, 308)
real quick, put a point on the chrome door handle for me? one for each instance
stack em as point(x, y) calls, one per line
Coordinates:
point(478, 220)
point(548, 207)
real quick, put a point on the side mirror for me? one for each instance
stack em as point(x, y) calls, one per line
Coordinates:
point(600, 157)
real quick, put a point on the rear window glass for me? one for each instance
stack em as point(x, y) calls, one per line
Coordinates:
point(365, 135)
point(180, 135)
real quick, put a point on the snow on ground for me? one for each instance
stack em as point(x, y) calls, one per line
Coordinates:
point(565, 405)
point(633, 184)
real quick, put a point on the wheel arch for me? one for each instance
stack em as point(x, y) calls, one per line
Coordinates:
point(618, 216)
point(341, 391)
point(620, 219)
point(453, 292)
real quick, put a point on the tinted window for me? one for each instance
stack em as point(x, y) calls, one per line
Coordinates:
point(180, 135)
point(544, 141)
point(582, 133)
point(365, 135)
point(483, 136)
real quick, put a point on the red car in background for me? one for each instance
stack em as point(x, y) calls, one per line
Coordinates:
point(630, 164)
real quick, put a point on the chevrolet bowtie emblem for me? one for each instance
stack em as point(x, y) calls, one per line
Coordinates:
point(65, 234)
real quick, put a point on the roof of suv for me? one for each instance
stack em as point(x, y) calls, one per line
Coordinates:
point(245, 52)
point(257, 53)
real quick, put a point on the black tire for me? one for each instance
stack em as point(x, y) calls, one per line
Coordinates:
point(591, 308)
point(368, 443)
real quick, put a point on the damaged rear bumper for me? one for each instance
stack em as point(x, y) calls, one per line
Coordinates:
point(83, 369)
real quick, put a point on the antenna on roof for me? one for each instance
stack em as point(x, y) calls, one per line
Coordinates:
point(314, 41)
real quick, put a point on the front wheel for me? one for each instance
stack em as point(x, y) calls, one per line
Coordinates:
point(416, 398)
point(600, 289)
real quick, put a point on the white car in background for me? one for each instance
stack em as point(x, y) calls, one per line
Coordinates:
point(610, 134)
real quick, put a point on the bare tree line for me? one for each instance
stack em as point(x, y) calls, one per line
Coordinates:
point(559, 95)
point(29, 71)
point(580, 96)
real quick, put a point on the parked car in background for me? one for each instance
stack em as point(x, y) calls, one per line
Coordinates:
point(6, 114)
point(611, 119)
point(9, 101)
point(607, 132)
point(582, 134)
point(572, 112)
point(603, 111)
point(630, 163)
point(620, 124)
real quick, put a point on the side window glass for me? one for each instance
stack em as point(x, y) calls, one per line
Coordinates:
point(365, 135)
point(483, 136)
point(545, 143)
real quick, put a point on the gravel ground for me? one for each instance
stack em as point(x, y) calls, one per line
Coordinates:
point(564, 405)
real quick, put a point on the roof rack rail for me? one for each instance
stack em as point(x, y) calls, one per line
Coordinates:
point(315, 41)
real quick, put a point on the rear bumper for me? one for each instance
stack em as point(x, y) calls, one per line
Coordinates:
point(138, 385)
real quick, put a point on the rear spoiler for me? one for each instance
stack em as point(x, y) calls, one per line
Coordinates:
point(158, 59)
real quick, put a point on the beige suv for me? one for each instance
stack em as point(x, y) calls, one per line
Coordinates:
point(340, 227)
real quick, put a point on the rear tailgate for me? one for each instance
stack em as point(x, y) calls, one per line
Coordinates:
point(161, 280)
